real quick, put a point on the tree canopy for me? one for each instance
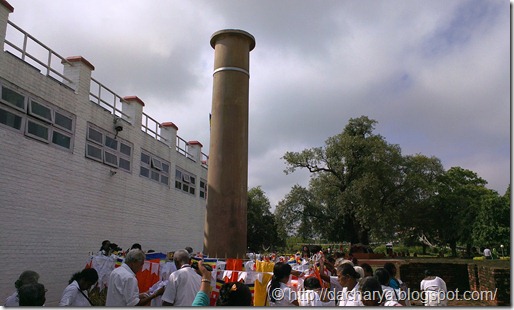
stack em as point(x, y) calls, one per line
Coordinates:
point(362, 187)
point(262, 229)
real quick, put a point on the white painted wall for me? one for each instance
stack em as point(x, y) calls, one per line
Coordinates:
point(58, 206)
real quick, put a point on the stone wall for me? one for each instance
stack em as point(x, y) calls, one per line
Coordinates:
point(493, 279)
point(493, 282)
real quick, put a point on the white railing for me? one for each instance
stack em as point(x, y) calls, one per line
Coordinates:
point(106, 98)
point(182, 147)
point(152, 127)
point(33, 56)
point(99, 94)
point(205, 160)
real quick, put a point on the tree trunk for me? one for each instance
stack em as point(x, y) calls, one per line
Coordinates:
point(364, 236)
point(424, 248)
point(468, 250)
point(453, 246)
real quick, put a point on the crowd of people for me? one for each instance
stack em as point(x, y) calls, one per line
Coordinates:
point(335, 282)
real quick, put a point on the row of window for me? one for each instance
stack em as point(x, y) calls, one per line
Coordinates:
point(102, 147)
point(51, 125)
point(36, 119)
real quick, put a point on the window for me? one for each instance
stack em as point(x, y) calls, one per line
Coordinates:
point(203, 189)
point(13, 98)
point(102, 147)
point(185, 181)
point(154, 168)
point(40, 120)
point(38, 130)
point(40, 111)
point(11, 119)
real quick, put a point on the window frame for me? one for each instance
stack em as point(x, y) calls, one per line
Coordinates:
point(153, 168)
point(17, 113)
point(202, 189)
point(185, 186)
point(10, 104)
point(30, 111)
point(107, 150)
point(28, 116)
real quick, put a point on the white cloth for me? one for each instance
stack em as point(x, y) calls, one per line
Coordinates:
point(392, 303)
point(157, 301)
point(288, 296)
point(335, 285)
point(12, 301)
point(122, 290)
point(435, 292)
point(389, 293)
point(182, 288)
point(350, 298)
point(487, 252)
point(71, 297)
point(103, 265)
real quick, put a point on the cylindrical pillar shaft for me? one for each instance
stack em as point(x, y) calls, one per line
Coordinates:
point(227, 179)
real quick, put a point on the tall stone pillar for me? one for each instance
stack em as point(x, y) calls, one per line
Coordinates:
point(227, 179)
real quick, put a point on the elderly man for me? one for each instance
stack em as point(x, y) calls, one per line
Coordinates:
point(184, 283)
point(122, 290)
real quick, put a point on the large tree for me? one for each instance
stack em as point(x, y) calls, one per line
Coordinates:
point(355, 183)
point(419, 216)
point(262, 229)
point(492, 226)
point(459, 192)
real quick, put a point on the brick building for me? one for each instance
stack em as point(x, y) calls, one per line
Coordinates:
point(81, 164)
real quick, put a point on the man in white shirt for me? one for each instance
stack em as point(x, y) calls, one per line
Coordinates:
point(122, 290)
point(184, 283)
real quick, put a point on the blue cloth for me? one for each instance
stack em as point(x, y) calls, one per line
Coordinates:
point(394, 284)
point(201, 300)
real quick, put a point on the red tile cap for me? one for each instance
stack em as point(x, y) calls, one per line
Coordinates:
point(195, 143)
point(134, 98)
point(7, 5)
point(169, 124)
point(79, 59)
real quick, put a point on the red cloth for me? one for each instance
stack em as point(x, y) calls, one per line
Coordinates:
point(233, 264)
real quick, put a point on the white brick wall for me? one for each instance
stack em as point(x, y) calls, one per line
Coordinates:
point(58, 206)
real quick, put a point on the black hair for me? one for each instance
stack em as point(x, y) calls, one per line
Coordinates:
point(234, 294)
point(383, 276)
point(428, 273)
point(136, 246)
point(280, 271)
point(311, 283)
point(26, 277)
point(88, 274)
point(371, 285)
point(306, 252)
point(32, 294)
point(391, 268)
point(347, 269)
point(367, 268)
point(104, 243)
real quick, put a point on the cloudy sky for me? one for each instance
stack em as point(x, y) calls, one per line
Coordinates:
point(434, 74)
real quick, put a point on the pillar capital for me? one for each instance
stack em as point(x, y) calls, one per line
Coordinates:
point(232, 32)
